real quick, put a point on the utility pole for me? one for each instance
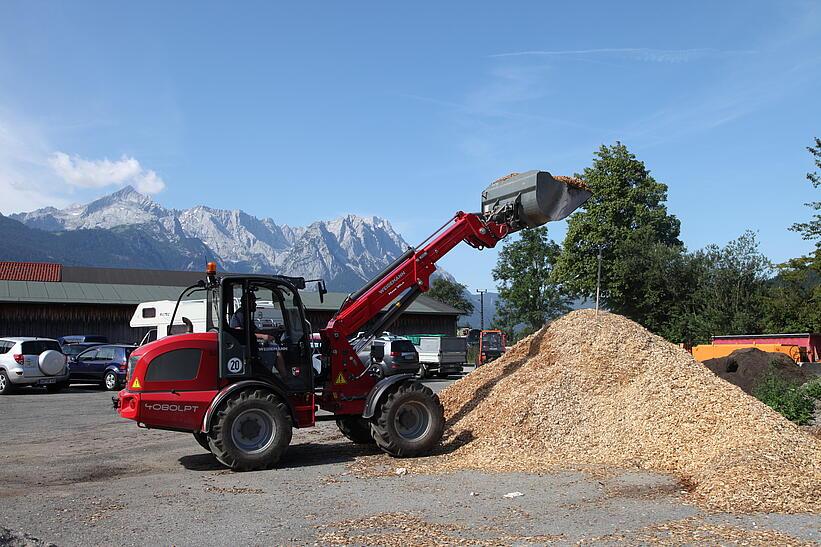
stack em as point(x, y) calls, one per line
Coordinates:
point(481, 293)
point(598, 283)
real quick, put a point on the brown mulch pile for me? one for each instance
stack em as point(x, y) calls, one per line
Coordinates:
point(746, 368)
point(602, 390)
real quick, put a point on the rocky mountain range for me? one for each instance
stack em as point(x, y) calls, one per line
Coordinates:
point(129, 229)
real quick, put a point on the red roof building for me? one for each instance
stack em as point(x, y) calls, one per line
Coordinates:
point(30, 271)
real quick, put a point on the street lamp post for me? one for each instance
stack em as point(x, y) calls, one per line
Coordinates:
point(481, 293)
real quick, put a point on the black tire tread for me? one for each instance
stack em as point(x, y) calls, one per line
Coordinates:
point(9, 385)
point(381, 428)
point(202, 440)
point(356, 429)
point(215, 439)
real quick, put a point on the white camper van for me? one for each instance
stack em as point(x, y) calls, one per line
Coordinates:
point(157, 317)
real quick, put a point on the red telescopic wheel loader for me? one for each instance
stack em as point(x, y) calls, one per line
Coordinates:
point(241, 386)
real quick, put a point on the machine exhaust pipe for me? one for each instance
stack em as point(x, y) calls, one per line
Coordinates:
point(527, 200)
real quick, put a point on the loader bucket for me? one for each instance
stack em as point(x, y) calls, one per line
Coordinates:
point(527, 200)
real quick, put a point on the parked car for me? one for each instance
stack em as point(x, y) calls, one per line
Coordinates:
point(82, 338)
point(393, 354)
point(106, 364)
point(73, 350)
point(29, 361)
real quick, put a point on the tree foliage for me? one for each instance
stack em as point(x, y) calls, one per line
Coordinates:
point(719, 290)
point(627, 218)
point(793, 303)
point(793, 299)
point(811, 229)
point(451, 293)
point(528, 295)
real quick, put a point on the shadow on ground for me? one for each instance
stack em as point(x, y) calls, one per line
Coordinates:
point(298, 455)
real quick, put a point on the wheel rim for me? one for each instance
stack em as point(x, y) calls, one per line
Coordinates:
point(110, 381)
point(2, 382)
point(253, 431)
point(412, 420)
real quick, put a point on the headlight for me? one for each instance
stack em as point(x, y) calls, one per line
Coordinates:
point(132, 362)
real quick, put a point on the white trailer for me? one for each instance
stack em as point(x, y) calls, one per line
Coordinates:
point(443, 355)
point(156, 316)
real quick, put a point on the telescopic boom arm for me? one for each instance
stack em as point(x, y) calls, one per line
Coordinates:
point(414, 270)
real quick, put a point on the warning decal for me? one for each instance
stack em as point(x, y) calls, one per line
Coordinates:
point(340, 379)
point(136, 384)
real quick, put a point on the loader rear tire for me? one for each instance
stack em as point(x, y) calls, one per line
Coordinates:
point(251, 430)
point(355, 428)
point(409, 422)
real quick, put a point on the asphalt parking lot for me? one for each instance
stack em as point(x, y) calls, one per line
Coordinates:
point(73, 473)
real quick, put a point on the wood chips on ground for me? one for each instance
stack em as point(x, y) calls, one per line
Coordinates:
point(602, 390)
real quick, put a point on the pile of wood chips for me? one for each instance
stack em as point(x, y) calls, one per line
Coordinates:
point(572, 181)
point(601, 390)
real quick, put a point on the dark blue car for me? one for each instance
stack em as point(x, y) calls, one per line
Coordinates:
point(73, 350)
point(105, 364)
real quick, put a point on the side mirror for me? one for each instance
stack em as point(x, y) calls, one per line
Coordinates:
point(320, 288)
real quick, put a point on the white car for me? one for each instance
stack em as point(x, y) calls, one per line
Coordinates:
point(27, 361)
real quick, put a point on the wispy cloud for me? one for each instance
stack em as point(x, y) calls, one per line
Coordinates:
point(634, 53)
point(501, 93)
point(34, 175)
point(83, 173)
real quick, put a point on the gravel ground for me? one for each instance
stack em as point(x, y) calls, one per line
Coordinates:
point(73, 473)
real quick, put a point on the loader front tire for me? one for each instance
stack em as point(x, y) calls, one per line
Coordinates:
point(251, 430)
point(202, 440)
point(409, 422)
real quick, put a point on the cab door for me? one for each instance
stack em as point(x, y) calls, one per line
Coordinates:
point(233, 342)
point(295, 341)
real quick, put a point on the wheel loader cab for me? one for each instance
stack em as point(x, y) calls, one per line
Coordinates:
point(263, 333)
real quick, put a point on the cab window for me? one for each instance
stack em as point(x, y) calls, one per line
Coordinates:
point(176, 365)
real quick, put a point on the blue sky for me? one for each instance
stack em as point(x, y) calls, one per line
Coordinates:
point(311, 110)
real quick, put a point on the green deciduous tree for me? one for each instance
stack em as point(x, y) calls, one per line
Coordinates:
point(528, 295)
point(793, 303)
point(451, 293)
point(793, 299)
point(628, 218)
point(812, 229)
point(725, 291)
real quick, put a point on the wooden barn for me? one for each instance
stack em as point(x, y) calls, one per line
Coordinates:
point(52, 300)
